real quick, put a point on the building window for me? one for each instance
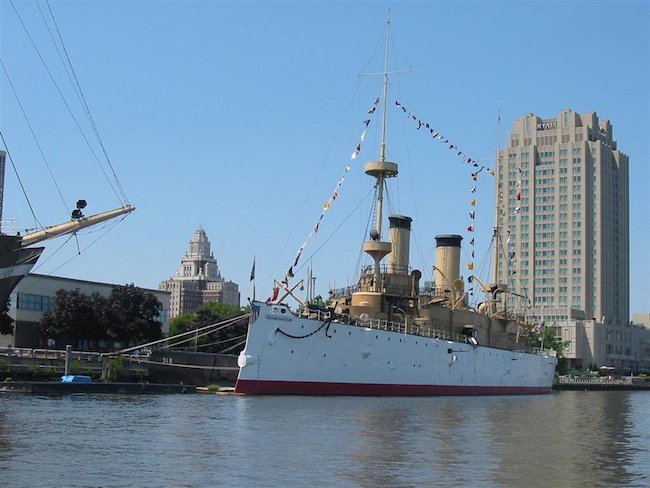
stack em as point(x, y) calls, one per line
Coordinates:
point(39, 303)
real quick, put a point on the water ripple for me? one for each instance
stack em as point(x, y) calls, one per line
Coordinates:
point(564, 439)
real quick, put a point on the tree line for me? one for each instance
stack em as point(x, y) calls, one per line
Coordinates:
point(229, 339)
point(129, 315)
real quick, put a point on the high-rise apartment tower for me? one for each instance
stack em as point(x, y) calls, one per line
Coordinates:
point(563, 215)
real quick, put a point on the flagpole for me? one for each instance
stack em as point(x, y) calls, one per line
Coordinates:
point(253, 277)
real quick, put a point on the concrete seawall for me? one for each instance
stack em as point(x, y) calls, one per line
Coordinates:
point(57, 388)
point(602, 384)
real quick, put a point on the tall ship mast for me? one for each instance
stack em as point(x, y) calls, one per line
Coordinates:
point(17, 258)
point(19, 253)
point(387, 336)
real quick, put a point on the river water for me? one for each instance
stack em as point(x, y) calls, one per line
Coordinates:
point(565, 439)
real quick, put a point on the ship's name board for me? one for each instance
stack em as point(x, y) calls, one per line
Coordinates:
point(547, 124)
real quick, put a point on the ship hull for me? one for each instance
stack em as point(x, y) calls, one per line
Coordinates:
point(290, 355)
point(15, 264)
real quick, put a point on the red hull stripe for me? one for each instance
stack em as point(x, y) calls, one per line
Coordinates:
point(254, 387)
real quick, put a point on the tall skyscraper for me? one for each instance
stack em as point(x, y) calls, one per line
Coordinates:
point(563, 213)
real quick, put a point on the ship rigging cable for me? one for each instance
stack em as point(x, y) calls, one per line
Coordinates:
point(40, 149)
point(317, 174)
point(335, 193)
point(352, 212)
point(121, 197)
point(108, 228)
point(22, 187)
point(80, 95)
point(218, 326)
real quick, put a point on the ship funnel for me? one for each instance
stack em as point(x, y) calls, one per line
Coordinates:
point(400, 238)
point(447, 267)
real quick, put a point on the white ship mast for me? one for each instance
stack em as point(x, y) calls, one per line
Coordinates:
point(74, 225)
point(380, 170)
point(498, 202)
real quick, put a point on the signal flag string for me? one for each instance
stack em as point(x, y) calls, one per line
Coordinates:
point(327, 205)
point(464, 158)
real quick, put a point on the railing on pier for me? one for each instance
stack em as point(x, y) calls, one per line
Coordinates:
point(599, 380)
point(21, 352)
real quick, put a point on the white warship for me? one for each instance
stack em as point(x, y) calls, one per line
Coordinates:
point(387, 335)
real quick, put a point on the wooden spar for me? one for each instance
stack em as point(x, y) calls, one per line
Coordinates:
point(73, 226)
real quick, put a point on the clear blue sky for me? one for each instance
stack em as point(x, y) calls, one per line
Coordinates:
point(240, 117)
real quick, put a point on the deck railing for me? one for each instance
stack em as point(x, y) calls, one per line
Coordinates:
point(387, 325)
point(545, 352)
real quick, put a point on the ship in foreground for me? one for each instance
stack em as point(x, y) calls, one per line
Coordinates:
point(388, 335)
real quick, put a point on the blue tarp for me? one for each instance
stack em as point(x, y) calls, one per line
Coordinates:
point(75, 378)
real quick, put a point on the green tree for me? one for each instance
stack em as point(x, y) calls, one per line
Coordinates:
point(132, 315)
point(129, 314)
point(181, 324)
point(211, 313)
point(75, 317)
point(6, 322)
point(548, 339)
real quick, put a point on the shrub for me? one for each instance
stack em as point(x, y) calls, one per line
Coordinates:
point(117, 369)
point(34, 370)
point(5, 365)
point(76, 367)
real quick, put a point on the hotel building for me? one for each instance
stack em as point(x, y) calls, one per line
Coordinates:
point(562, 211)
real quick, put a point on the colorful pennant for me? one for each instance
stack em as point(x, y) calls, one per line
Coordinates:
point(437, 136)
point(330, 200)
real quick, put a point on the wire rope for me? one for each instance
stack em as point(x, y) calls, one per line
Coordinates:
point(65, 102)
point(20, 182)
point(81, 97)
point(38, 144)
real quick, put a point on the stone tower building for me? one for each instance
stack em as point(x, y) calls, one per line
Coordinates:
point(198, 279)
